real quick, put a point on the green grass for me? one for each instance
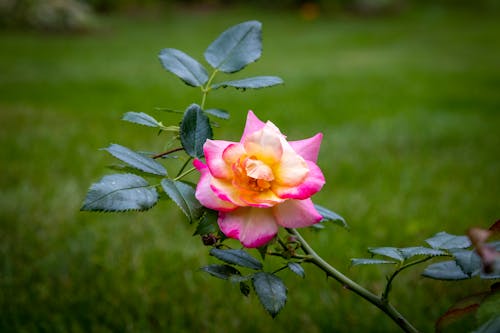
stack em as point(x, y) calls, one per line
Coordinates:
point(409, 110)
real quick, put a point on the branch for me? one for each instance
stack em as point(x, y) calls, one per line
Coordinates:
point(383, 305)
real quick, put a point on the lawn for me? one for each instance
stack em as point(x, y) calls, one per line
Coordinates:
point(409, 108)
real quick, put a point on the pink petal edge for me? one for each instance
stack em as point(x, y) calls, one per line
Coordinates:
point(252, 124)
point(310, 186)
point(296, 214)
point(214, 150)
point(308, 148)
point(253, 227)
point(204, 193)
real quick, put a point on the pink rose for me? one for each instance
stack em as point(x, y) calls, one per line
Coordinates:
point(261, 182)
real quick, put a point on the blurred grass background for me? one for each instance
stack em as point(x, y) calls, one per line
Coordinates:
point(408, 104)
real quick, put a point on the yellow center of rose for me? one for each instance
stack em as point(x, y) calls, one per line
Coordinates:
point(252, 174)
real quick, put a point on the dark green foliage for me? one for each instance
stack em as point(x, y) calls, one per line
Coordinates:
point(250, 83)
point(445, 270)
point(362, 261)
point(141, 118)
point(195, 130)
point(445, 241)
point(183, 196)
point(236, 47)
point(237, 257)
point(136, 160)
point(221, 271)
point(271, 291)
point(186, 68)
point(119, 193)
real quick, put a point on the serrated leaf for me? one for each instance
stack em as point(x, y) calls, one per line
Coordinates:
point(183, 66)
point(222, 114)
point(329, 215)
point(390, 252)
point(141, 118)
point(136, 160)
point(255, 82)
point(366, 261)
point(469, 261)
point(119, 193)
point(445, 270)
point(297, 269)
point(237, 257)
point(445, 241)
point(194, 131)
point(208, 223)
point(221, 271)
point(236, 47)
point(409, 252)
point(271, 292)
point(183, 195)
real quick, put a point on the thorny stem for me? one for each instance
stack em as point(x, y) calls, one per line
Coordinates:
point(379, 302)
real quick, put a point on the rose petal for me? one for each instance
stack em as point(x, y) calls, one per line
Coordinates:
point(296, 213)
point(264, 199)
point(311, 185)
point(253, 124)
point(265, 144)
point(214, 150)
point(204, 193)
point(232, 153)
point(227, 191)
point(308, 148)
point(254, 227)
point(292, 168)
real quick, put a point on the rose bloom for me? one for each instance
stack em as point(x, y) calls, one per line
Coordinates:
point(261, 182)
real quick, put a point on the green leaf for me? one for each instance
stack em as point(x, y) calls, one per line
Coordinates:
point(119, 193)
point(409, 252)
point(218, 113)
point(365, 261)
point(297, 269)
point(390, 252)
point(236, 47)
point(194, 131)
point(328, 215)
point(186, 68)
point(271, 292)
point(469, 261)
point(208, 223)
point(445, 241)
point(256, 82)
point(445, 270)
point(183, 195)
point(221, 271)
point(136, 160)
point(141, 118)
point(237, 257)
